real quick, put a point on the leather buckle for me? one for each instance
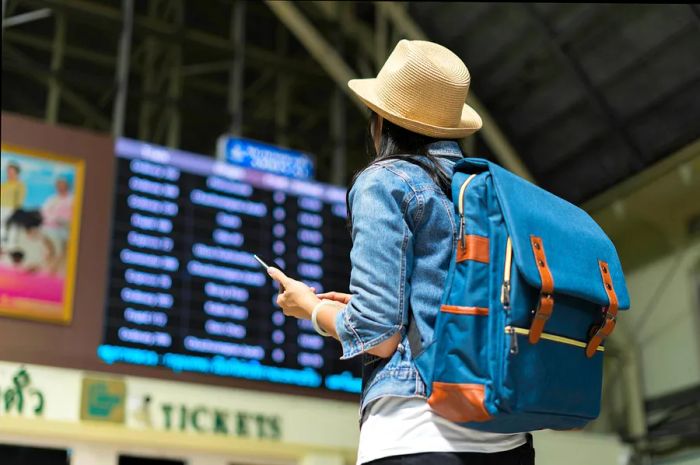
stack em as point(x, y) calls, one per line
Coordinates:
point(545, 306)
point(601, 334)
point(545, 303)
point(610, 313)
point(609, 325)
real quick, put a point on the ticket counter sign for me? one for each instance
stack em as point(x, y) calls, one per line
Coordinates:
point(103, 400)
point(72, 401)
point(151, 412)
point(19, 396)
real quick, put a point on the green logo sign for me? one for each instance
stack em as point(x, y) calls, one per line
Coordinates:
point(21, 394)
point(103, 400)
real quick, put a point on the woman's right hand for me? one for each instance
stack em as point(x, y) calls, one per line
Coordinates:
point(336, 296)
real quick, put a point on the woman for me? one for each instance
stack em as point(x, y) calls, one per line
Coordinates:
point(12, 194)
point(404, 236)
point(56, 213)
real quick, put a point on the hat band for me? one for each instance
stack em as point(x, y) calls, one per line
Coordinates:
point(435, 109)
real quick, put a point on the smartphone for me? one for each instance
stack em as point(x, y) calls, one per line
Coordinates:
point(265, 265)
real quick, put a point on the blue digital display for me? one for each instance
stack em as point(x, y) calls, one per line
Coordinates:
point(185, 291)
point(265, 157)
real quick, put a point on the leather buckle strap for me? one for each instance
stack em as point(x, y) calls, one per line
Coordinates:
point(545, 307)
point(602, 331)
point(545, 304)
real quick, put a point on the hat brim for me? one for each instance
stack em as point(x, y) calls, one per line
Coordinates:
point(469, 123)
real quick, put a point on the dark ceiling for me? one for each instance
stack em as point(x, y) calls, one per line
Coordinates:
point(587, 94)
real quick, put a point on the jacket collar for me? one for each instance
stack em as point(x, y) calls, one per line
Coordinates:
point(445, 148)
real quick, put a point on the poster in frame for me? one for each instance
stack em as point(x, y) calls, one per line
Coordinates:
point(40, 211)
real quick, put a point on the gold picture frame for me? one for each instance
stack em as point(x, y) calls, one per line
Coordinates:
point(40, 213)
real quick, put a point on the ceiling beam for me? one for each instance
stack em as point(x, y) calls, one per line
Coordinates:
point(27, 67)
point(494, 137)
point(350, 26)
point(256, 56)
point(334, 65)
point(26, 18)
point(41, 43)
point(323, 52)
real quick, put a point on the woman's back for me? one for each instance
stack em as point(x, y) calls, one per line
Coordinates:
point(398, 207)
point(404, 235)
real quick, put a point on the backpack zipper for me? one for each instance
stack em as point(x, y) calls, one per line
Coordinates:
point(461, 209)
point(513, 330)
point(505, 288)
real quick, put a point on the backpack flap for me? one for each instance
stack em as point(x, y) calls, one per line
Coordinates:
point(557, 246)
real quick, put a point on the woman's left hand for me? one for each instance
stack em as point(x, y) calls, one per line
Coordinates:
point(296, 298)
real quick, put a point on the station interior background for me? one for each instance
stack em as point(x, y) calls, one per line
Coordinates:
point(597, 103)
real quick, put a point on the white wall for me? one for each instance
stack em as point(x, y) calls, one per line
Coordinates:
point(665, 320)
point(576, 448)
point(648, 218)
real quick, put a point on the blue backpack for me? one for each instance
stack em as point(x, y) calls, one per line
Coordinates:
point(531, 295)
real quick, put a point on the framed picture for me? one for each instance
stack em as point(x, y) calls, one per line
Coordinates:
point(40, 207)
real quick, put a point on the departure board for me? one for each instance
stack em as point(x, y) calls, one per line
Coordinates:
point(185, 292)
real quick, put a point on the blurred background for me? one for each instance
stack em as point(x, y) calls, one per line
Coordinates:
point(149, 146)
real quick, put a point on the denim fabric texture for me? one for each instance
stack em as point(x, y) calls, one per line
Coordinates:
point(404, 235)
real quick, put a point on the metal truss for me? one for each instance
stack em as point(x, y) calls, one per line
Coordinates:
point(159, 120)
point(154, 79)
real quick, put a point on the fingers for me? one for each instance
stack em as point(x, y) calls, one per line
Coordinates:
point(280, 301)
point(328, 295)
point(336, 296)
point(278, 276)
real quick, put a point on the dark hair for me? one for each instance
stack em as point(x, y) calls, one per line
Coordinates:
point(397, 143)
point(14, 166)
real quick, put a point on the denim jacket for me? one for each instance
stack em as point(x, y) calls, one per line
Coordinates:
point(404, 236)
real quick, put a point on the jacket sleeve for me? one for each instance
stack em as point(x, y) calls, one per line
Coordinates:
point(381, 258)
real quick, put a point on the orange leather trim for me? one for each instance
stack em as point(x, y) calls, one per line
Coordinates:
point(544, 310)
point(609, 289)
point(464, 310)
point(542, 266)
point(610, 314)
point(459, 402)
point(476, 248)
point(545, 306)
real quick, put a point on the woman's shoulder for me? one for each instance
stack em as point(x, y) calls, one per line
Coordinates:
point(380, 183)
point(397, 171)
point(384, 175)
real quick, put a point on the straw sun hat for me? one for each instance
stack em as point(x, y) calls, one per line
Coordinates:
point(422, 87)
